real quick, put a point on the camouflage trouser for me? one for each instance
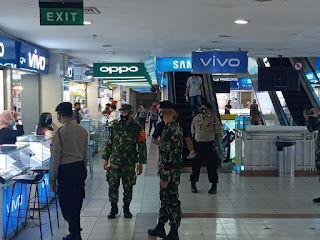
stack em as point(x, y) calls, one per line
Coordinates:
point(170, 208)
point(128, 176)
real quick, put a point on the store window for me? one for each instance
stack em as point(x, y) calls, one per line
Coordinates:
point(78, 93)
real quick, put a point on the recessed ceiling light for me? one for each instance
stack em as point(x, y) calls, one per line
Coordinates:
point(224, 36)
point(107, 45)
point(241, 21)
point(87, 22)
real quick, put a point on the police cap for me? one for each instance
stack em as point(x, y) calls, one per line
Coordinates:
point(166, 105)
point(126, 108)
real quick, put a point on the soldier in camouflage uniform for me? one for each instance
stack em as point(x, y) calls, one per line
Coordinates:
point(170, 167)
point(125, 147)
point(313, 124)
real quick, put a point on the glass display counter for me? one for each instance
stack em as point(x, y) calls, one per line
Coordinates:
point(14, 160)
point(39, 146)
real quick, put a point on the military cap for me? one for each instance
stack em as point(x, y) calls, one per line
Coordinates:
point(166, 105)
point(126, 108)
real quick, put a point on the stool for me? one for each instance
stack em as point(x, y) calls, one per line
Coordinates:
point(31, 180)
point(45, 169)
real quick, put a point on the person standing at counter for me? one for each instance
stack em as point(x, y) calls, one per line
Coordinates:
point(77, 114)
point(227, 107)
point(45, 125)
point(254, 113)
point(68, 168)
point(8, 135)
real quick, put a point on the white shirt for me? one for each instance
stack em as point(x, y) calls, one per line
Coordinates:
point(115, 115)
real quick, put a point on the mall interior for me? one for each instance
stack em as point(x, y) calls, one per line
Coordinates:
point(259, 68)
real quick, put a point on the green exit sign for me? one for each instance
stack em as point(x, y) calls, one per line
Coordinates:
point(61, 16)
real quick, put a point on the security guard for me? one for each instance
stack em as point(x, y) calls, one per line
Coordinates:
point(170, 168)
point(68, 167)
point(206, 129)
point(125, 147)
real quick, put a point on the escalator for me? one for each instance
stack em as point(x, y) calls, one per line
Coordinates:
point(299, 100)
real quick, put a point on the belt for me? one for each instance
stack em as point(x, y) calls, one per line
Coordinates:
point(70, 165)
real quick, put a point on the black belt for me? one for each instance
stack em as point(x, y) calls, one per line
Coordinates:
point(70, 165)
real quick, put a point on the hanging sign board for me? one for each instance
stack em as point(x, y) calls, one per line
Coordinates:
point(174, 64)
point(8, 52)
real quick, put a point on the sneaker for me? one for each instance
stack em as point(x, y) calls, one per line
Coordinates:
point(213, 189)
point(316, 200)
point(194, 187)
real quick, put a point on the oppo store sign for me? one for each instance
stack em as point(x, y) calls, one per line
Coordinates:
point(118, 70)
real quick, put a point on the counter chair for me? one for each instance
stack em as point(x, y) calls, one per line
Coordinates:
point(28, 180)
point(45, 169)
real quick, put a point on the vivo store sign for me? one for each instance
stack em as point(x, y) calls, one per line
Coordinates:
point(118, 70)
point(220, 62)
point(8, 52)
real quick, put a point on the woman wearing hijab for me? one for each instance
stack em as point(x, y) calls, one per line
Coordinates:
point(45, 125)
point(154, 116)
point(7, 121)
point(142, 114)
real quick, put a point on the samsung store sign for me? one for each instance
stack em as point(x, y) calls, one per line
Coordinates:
point(8, 52)
point(33, 59)
point(219, 62)
point(174, 64)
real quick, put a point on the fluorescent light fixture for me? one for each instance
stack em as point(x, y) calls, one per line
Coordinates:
point(241, 21)
point(87, 22)
point(139, 77)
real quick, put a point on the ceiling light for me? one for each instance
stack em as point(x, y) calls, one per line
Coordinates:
point(224, 36)
point(107, 45)
point(241, 21)
point(87, 22)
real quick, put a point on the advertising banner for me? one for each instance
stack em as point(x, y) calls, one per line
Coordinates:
point(219, 62)
point(119, 70)
point(8, 52)
point(174, 64)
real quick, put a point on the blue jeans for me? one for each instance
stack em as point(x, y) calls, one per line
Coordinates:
point(195, 102)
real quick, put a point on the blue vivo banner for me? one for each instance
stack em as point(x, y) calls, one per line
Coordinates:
point(245, 83)
point(42, 187)
point(174, 64)
point(17, 200)
point(219, 62)
point(33, 59)
point(8, 52)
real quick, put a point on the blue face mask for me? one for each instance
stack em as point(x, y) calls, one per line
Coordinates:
point(12, 123)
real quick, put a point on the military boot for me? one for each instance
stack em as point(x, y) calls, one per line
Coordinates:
point(114, 210)
point(194, 187)
point(158, 231)
point(173, 234)
point(126, 210)
point(213, 189)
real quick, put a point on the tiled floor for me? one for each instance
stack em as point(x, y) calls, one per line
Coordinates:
point(245, 208)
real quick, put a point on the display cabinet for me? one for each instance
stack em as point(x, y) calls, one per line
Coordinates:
point(39, 146)
point(14, 160)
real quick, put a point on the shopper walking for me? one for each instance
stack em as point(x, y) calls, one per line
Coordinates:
point(77, 114)
point(9, 127)
point(142, 114)
point(313, 123)
point(125, 147)
point(254, 113)
point(194, 91)
point(153, 115)
point(206, 129)
point(45, 125)
point(68, 167)
point(170, 168)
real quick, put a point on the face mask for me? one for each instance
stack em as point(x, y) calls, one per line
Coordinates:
point(78, 109)
point(49, 121)
point(124, 118)
point(203, 110)
point(12, 123)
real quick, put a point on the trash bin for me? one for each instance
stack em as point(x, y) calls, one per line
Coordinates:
point(286, 158)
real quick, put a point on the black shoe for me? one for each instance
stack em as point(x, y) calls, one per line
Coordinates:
point(213, 189)
point(194, 187)
point(72, 237)
point(126, 210)
point(114, 211)
point(173, 234)
point(158, 231)
point(316, 200)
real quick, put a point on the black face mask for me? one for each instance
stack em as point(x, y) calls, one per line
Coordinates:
point(203, 110)
point(78, 109)
point(49, 121)
point(124, 118)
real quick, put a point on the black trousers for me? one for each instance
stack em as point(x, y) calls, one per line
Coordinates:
point(71, 182)
point(205, 152)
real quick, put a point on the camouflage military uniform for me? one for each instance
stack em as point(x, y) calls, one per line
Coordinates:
point(314, 125)
point(170, 167)
point(124, 148)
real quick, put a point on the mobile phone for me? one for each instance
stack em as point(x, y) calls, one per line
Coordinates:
point(309, 112)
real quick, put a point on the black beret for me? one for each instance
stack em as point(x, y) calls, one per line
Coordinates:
point(166, 105)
